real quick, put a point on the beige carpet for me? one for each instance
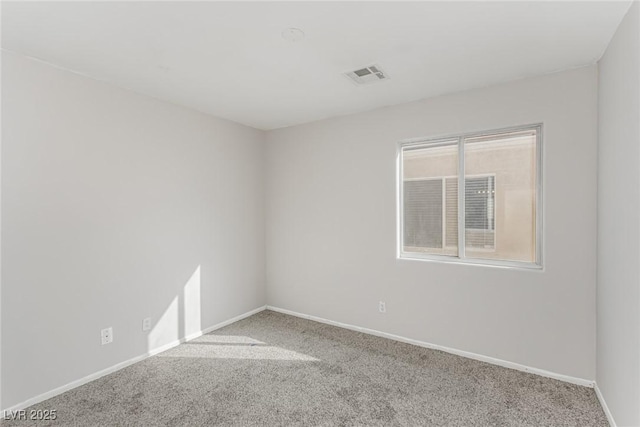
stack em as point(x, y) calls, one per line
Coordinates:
point(272, 369)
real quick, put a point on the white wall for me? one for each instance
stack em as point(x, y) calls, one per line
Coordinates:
point(117, 207)
point(618, 314)
point(331, 228)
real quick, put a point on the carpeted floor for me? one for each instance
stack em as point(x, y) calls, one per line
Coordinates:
point(271, 369)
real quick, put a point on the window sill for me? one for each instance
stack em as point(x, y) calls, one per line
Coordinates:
point(444, 259)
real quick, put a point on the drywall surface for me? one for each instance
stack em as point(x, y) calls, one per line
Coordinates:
point(331, 228)
point(618, 313)
point(117, 207)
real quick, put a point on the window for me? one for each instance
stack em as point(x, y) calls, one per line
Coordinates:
point(499, 188)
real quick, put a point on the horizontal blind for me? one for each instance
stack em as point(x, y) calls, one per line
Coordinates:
point(479, 208)
point(451, 196)
point(423, 213)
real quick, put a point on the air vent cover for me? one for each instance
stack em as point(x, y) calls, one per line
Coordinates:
point(366, 75)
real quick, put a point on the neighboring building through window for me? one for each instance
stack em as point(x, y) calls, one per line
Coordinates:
point(501, 191)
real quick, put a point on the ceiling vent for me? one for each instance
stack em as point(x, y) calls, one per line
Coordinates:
point(367, 75)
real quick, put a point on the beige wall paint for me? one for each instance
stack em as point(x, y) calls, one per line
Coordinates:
point(331, 228)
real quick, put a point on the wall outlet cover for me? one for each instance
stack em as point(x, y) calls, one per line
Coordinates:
point(107, 335)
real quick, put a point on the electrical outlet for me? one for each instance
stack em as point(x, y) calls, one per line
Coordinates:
point(382, 307)
point(146, 324)
point(107, 336)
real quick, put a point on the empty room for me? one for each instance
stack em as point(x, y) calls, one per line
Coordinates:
point(348, 213)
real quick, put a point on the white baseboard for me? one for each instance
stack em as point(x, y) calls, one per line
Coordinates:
point(480, 357)
point(605, 408)
point(118, 366)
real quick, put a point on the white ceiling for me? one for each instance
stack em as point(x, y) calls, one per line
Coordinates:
point(230, 60)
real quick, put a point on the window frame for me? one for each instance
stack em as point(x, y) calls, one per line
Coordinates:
point(461, 258)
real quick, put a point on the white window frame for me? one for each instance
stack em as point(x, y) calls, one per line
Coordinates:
point(461, 258)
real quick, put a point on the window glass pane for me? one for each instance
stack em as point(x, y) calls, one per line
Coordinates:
point(423, 213)
point(479, 206)
point(451, 201)
point(430, 198)
point(500, 196)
